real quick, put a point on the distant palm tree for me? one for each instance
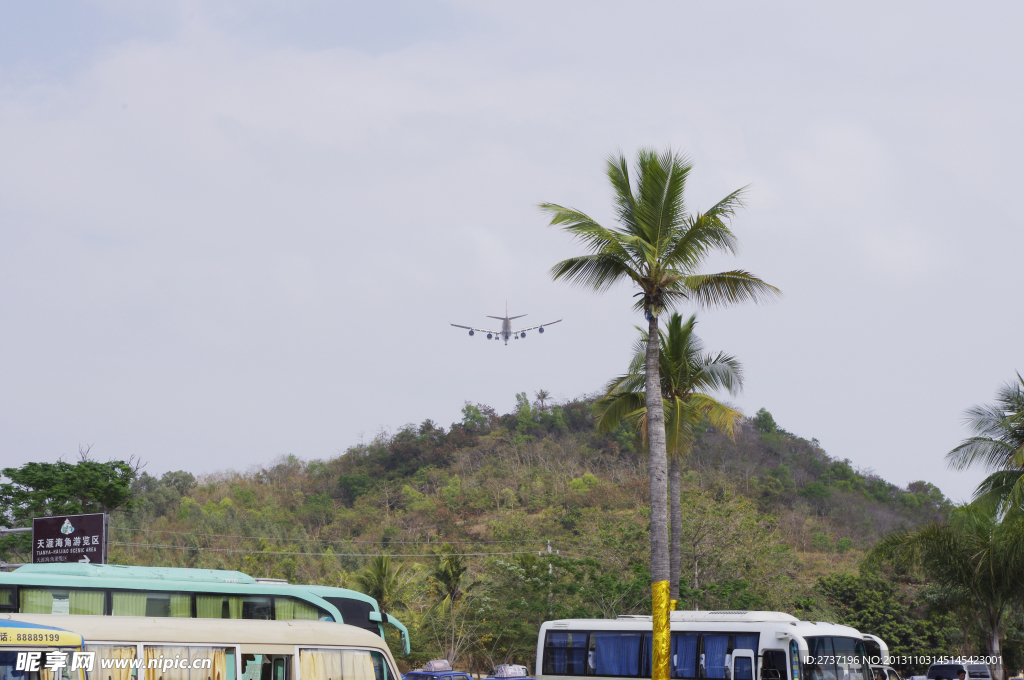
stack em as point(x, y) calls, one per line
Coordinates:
point(974, 553)
point(998, 447)
point(687, 375)
point(386, 582)
point(659, 248)
point(542, 396)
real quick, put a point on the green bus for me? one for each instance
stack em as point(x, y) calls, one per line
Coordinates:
point(114, 590)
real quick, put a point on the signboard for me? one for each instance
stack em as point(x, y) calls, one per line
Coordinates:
point(72, 538)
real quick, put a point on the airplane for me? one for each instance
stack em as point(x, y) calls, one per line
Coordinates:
point(506, 327)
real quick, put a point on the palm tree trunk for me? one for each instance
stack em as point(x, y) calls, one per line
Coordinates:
point(995, 651)
point(658, 468)
point(675, 550)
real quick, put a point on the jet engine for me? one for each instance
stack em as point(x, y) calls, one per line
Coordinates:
point(524, 334)
point(541, 329)
point(471, 333)
point(489, 336)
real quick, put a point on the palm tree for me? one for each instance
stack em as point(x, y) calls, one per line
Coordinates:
point(997, 446)
point(686, 377)
point(659, 248)
point(973, 552)
point(386, 583)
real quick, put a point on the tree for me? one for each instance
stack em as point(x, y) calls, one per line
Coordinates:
point(453, 618)
point(998, 445)
point(386, 582)
point(686, 376)
point(973, 552)
point(61, 488)
point(659, 248)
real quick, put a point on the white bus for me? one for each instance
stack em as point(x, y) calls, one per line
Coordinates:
point(730, 645)
point(147, 648)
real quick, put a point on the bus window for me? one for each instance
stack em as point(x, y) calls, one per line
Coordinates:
point(744, 668)
point(6, 598)
point(713, 658)
point(185, 663)
point(616, 653)
point(288, 608)
point(835, 658)
point(334, 664)
point(380, 666)
point(684, 655)
point(62, 601)
point(565, 653)
point(251, 666)
point(111, 655)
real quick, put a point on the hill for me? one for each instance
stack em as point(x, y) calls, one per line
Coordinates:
point(546, 516)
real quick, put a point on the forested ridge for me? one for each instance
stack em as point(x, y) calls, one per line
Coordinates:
point(468, 514)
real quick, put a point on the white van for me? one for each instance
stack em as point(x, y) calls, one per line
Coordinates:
point(950, 671)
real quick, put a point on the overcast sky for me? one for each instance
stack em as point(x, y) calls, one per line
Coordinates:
point(231, 231)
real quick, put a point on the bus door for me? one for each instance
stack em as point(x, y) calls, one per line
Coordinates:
point(742, 664)
point(773, 665)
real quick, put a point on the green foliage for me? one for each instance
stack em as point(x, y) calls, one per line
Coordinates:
point(48, 489)
point(764, 422)
point(877, 606)
point(353, 486)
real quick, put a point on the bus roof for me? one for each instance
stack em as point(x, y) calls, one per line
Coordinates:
point(246, 632)
point(120, 572)
point(782, 625)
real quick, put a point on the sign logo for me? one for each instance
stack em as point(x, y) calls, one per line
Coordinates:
point(66, 528)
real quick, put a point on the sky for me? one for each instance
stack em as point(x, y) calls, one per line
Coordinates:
point(239, 230)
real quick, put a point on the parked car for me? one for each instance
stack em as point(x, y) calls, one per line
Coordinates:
point(439, 669)
point(887, 673)
point(949, 671)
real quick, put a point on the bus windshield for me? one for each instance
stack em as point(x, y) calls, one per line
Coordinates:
point(835, 658)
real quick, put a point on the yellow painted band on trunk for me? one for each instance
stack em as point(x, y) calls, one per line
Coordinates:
point(662, 636)
point(673, 605)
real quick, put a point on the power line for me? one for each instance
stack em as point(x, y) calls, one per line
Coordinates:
point(316, 540)
point(311, 554)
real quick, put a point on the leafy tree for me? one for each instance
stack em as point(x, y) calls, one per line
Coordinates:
point(388, 583)
point(764, 421)
point(353, 486)
point(659, 248)
point(973, 552)
point(998, 446)
point(686, 375)
point(61, 488)
point(875, 605)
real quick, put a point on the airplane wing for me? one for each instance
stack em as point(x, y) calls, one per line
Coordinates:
point(523, 330)
point(478, 330)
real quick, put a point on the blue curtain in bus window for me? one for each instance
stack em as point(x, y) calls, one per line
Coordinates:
point(715, 647)
point(746, 642)
point(646, 655)
point(744, 669)
point(684, 655)
point(617, 654)
point(565, 653)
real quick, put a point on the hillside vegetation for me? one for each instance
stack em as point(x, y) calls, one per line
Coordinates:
point(769, 518)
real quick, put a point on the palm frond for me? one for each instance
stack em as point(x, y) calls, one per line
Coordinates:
point(725, 288)
point(599, 272)
point(706, 232)
point(989, 453)
point(625, 205)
